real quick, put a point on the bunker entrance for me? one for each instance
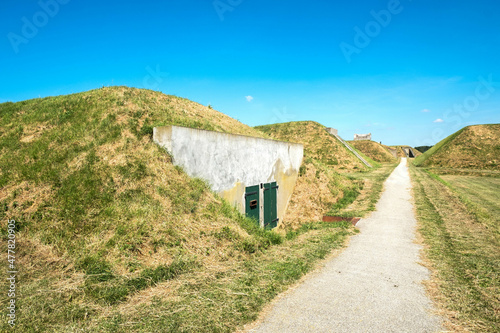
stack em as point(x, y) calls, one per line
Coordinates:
point(261, 204)
point(409, 152)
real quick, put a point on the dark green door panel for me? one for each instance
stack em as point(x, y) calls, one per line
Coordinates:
point(252, 202)
point(270, 205)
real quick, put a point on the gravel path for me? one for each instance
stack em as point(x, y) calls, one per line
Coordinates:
point(373, 286)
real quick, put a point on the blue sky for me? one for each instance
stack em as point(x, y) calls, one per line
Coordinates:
point(408, 71)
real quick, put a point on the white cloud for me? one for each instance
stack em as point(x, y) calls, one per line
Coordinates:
point(249, 98)
point(426, 110)
point(439, 120)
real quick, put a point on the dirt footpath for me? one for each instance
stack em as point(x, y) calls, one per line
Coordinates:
point(373, 286)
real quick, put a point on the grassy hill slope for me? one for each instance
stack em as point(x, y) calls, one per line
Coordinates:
point(320, 184)
point(473, 147)
point(318, 143)
point(374, 150)
point(111, 236)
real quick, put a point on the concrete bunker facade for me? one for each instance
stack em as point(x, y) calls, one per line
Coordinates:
point(409, 152)
point(255, 175)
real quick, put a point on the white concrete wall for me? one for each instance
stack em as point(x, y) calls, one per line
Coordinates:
point(231, 162)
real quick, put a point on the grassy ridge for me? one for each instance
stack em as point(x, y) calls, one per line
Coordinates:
point(372, 162)
point(374, 150)
point(473, 147)
point(462, 247)
point(420, 160)
point(318, 144)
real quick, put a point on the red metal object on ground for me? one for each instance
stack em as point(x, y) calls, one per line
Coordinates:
point(353, 220)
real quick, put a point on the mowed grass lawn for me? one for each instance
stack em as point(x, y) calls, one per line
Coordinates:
point(482, 193)
point(459, 222)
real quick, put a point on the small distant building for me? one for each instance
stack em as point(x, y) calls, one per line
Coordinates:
point(360, 137)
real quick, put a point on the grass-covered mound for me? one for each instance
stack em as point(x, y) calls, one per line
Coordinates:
point(374, 150)
point(473, 147)
point(111, 236)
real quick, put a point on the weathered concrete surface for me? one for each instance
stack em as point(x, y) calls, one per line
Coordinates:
point(373, 286)
point(231, 162)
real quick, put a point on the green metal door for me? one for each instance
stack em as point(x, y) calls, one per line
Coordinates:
point(270, 205)
point(252, 202)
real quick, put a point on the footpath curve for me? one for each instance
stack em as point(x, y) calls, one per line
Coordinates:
point(372, 286)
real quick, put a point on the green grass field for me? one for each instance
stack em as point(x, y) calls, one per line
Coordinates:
point(481, 195)
point(458, 219)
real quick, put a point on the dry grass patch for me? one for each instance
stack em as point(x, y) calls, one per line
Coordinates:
point(25, 197)
point(317, 189)
point(34, 131)
point(365, 191)
point(373, 150)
